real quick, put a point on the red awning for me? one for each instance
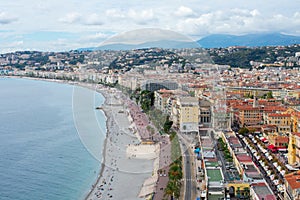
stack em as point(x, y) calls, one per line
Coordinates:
point(271, 146)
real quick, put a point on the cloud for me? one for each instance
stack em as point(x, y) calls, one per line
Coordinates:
point(76, 18)
point(237, 21)
point(99, 36)
point(71, 18)
point(5, 18)
point(16, 43)
point(93, 19)
point(140, 17)
point(114, 13)
point(184, 11)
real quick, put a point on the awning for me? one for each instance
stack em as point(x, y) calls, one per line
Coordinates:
point(263, 139)
point(271, 147)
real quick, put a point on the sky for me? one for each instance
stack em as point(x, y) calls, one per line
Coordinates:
point(63, 25)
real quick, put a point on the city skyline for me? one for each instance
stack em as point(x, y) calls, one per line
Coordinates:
point(65, 25)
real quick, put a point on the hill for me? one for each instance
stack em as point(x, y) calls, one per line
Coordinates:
point(211, 41)
point(249, 40)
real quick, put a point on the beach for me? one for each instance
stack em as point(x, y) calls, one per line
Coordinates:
point(127, 164)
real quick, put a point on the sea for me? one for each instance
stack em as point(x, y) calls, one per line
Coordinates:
point(42, 155)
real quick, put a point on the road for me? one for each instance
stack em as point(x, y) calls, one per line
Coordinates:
point(190, 183)
point(188, 176)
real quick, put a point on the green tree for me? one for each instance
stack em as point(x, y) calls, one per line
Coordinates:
point(243, 131)
point(168, 124)
point(172, 190)
point(169, 190)
point(270, 95)
point(175, 173)
point(146, 99)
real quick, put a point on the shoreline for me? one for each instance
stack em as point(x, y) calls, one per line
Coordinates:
point(115, 163)
point(101, 172)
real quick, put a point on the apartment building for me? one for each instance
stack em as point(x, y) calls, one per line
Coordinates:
point(294, 148)
point(282, 121)
point(162, 99)
point(185, 114)
point(295, 119)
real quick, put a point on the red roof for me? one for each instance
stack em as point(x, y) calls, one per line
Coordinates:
point(293, 180)
point(279, 115)
point(244, 158)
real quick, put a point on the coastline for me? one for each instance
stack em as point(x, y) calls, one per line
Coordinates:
point(119, 166)
point(100, 174)
point(116, 162)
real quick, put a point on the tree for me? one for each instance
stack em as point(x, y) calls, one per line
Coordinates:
point(270, 95)
point(170, 189)
point(243, 131)
point(175, 173)
point(168, 124)
point(146, 99)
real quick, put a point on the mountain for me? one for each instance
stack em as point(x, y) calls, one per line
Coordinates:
point(250, 40)
point(168, 44)
point(211, 41)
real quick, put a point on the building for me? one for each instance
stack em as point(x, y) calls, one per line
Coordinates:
point(247, 91)
point(282, 121)
point(185, 114)
point(294, 149)
point(292, 185)
point(238, 189)
point(251, 112)
point(295, 119)
point(154, 85)
point(205, 112)
point(260, 191)
point(161, 99)
point(131, 82)
point(249, 116)
point(279, 141)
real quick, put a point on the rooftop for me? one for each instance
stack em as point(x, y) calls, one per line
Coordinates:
point(262, 191)
point(279, 115)
point(243, 158)
point(293, 179)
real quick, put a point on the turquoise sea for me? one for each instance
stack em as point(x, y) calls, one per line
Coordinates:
point(41, 154)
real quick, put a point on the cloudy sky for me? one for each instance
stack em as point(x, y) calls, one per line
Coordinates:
point(57, 25)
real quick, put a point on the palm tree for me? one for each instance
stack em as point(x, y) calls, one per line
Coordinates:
point(175, 173)
point(170, 190)
point(246, 192)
